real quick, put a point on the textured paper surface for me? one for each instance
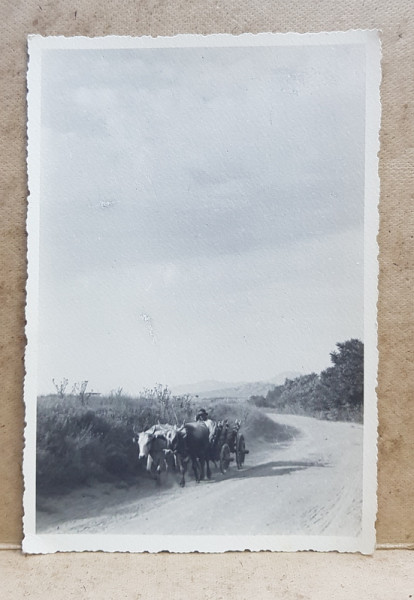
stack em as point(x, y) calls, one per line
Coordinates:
point(395, 517)
point(242, 576)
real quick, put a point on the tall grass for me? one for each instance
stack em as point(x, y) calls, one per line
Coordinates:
point(78, 444)
point(255, 424)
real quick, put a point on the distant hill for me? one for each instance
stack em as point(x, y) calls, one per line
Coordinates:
point(242, 390)
point(202, 387)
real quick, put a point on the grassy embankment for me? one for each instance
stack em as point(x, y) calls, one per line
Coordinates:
point(79, 443)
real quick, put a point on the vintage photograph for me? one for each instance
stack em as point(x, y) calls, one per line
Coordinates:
point(201, 300)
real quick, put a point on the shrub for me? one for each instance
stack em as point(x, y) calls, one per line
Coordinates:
point(255, 424)
point(336, 394)
point(77, 444)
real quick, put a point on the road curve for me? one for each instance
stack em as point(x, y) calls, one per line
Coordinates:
point(312, 486)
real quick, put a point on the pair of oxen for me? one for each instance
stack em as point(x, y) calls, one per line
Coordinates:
point(168, 447)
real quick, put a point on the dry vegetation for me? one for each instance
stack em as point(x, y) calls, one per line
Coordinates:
point(79, 442)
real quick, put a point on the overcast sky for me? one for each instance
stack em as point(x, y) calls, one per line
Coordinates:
point(201, 213)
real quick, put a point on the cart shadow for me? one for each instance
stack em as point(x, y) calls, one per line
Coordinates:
point(273, 469)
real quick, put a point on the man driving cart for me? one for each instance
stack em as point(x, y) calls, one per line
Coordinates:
point(202, 415)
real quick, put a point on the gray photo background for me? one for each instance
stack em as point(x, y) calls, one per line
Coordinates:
point(201, 213)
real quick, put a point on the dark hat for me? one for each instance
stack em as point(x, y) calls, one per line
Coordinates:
point(202, 415)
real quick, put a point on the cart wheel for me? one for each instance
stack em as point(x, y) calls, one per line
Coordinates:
point(224, 458)
point(240, 451)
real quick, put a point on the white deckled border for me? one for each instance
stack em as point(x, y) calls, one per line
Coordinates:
point(365, 542)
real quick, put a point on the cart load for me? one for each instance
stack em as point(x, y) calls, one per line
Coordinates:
point(227, 444)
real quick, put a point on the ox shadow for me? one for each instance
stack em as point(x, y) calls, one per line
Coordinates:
point(273, 469)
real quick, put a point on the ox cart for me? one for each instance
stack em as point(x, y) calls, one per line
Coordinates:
point(228, 444)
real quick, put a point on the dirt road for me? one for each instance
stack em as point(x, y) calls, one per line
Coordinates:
point(311, 486)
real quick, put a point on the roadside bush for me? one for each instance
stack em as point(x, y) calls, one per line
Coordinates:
point(336, 394)
point(256, 425)
point(77, 445)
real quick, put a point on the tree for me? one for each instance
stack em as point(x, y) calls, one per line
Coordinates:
point(300, 395)
point(343, 383)
point(336, 394)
